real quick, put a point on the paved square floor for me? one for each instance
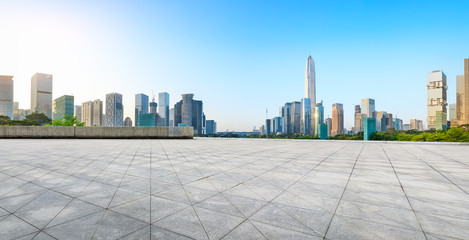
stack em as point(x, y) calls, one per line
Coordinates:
point(232, 189)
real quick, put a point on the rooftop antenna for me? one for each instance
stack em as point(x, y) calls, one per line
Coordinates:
point(153, 94)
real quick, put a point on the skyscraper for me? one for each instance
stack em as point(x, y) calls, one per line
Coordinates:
point(368, 107)
point(98, 117)
point(305, 125)
point(452, 112)
point(153, 106)
point(78, 112)
point(141, 106)
point(328, 122)
point(41, 94)
point(436, 97)
point(189, 112)
point(310, 88)
point(381, 121)
point(163, 109)
point(337, 119)
point(358, 120)
point(211, 127)
point(114, 110)
point(87, 113)
point(296, 116)
point(460, 98)
point(466, 91)
point(462, 95)
point(63, 105)
point(319, 118)
point(6, 96)
point(310, 81)
point(171, 117)
point(369, 127)
point(186, 109)
point(287, 118)
point(127, 122)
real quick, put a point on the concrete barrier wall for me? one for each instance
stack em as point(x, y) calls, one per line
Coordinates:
point(95, 132)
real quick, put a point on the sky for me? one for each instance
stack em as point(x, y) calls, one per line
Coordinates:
point(239, 57)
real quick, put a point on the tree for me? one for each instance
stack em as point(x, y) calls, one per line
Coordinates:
point(4, 120)
point(38, 118)
point(67, 120)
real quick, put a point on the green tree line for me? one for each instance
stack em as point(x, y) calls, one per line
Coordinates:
point(40, 119)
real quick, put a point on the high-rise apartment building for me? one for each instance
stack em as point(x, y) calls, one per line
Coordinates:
point(63, 105)
point(368, 107)
point(358, 124)
point(92, 113)
point(6, 96)
point(114, 110)
point(87, 113)
point(41, 94)
point(319, 119)
point(186, 108)
point(337, 119)
point(141, 106)
point(77, 112)
point(436, 96)
point(305, 125)
point(98, 118)
point(416, 124)
point(163, 109)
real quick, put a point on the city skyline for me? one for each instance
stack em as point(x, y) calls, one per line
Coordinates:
point(269, 65)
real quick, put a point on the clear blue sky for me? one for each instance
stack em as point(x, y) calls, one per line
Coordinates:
point(239, 57)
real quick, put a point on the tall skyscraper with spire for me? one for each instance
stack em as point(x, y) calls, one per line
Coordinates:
point(310, 89)
point(310, 81)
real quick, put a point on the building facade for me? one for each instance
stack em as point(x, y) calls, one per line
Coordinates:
point(369, 127)
point(87, 113)
point(41, 94)
point(141, 106)
point(462, 95)
point(77, 112)
point(436, 96)
point(127, 122)
point(318, 118)
point(358, 121)
point(210, 127)
point(62, 106)
point(337, 119)
point(114, 110)
point(296, 116)
point(163, 109)
point(6, 96)
point(452, 112)
point(328, 122)
point(147, 120)
point(98, 118)
point(189, 112)
point(368, 107)
point(305, 125)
